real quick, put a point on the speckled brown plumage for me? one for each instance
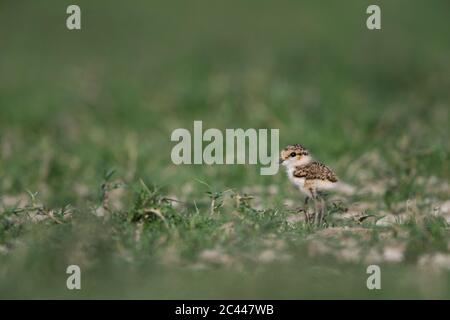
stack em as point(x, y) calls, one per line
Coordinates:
point(315, 171)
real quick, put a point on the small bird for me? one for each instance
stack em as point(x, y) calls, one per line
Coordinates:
point(310, 176)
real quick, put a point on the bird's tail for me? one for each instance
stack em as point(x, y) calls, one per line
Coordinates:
point(345, 188)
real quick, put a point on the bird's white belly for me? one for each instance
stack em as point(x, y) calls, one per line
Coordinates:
point(298, 182)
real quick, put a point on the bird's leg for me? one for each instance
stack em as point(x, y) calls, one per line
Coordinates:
point(306, 201)
point(306, 209)
point(320, 212)
point(323, 209)
point(318, 215)
point(316, 211)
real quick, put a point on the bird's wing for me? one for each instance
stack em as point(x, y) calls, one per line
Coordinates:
point(315, 170)
point(301, 172)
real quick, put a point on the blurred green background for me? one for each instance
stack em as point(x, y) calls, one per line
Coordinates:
point(76, 104)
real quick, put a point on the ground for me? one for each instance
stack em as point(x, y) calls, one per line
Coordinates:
point(86, 176)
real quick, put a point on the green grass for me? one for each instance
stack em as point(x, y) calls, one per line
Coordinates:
point(85, 170)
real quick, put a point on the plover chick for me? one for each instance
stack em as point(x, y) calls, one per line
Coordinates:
point(311, 177)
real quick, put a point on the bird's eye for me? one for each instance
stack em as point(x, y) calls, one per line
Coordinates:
point(293, 154)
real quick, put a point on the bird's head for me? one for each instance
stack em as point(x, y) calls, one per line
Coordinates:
point(294, 155)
